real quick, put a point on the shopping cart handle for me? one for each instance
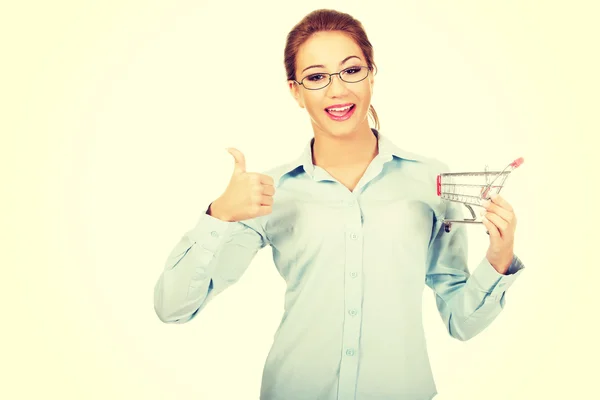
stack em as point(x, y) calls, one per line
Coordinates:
point(517, 162)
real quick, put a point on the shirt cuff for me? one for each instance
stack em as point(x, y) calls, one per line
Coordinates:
point(515, 266)
point(491, 281)
point(210, 232)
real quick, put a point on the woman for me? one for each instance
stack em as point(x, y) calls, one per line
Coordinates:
point(355, 229)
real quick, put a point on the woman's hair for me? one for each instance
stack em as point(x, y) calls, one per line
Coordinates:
point(328, 20)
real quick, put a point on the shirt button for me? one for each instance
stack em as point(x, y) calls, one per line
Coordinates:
point(214, 234)
point(353, 236)
point(352, 312)
point(350, 352)
point(350, 203)
point(353, 274)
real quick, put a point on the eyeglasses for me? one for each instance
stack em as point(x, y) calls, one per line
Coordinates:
point(323, 79)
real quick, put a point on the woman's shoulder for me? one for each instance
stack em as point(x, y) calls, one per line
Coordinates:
point(419, 160)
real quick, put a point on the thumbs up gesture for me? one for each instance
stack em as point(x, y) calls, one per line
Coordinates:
point(247, 196)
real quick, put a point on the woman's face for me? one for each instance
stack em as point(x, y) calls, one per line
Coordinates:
point(332, 52)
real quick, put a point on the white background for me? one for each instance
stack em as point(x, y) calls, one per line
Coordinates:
point(116, 118)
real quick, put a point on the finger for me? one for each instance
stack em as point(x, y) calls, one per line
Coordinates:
point(491, 228)
point(503, 213)
point(501, 201)
point(264, 210)
point(261, 178)
point(266, 201)
point(268, 190)
point(500, 224)
point(266, 180)
point(240, 161)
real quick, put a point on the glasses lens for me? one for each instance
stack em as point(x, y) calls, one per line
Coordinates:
point(354, 74)
point(316, 81)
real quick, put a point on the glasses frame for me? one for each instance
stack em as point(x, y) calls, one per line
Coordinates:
point(339, 74)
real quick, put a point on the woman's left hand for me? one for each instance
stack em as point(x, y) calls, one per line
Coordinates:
point(501, 222)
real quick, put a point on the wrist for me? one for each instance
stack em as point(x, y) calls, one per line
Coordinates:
point(500, 266)
point(215, 210)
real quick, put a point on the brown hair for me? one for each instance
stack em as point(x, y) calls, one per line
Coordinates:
point(327, 20)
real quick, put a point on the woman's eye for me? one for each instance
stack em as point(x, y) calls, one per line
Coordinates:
point(315, 77)
point(351, 71)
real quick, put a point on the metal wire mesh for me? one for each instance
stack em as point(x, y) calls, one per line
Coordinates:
point(472, 188)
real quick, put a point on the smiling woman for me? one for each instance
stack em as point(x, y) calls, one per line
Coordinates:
point(323, 41)
point(356, 231)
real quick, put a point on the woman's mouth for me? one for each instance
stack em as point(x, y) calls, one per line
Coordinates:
point(340, 112)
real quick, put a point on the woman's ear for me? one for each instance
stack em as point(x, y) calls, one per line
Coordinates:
point(295, 92)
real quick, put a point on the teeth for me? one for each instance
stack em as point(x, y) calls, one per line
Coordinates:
point(340, 109)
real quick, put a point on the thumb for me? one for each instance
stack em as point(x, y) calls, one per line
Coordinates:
point(240, 161)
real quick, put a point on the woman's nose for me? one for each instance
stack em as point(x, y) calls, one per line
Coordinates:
point(336, 86)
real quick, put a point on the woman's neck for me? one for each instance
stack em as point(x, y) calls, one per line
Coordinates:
point(350, 150)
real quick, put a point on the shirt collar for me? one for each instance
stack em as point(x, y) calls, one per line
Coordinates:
point(387, 149)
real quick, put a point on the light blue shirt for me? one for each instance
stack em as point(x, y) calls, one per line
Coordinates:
point(355, 264)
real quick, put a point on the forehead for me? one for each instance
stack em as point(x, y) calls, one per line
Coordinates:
point(328, 49)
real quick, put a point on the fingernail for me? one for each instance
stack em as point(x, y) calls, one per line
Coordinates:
point(485, 203)
point(482, 212)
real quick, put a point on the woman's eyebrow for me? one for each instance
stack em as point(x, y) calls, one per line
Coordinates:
point(322, 66)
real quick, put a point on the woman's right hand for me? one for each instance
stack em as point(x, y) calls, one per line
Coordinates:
point(247, 196)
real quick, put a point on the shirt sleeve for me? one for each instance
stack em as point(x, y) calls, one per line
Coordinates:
point(467, 302)
point(207, 259)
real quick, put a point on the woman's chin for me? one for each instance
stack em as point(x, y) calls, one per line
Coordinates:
point(341, 129)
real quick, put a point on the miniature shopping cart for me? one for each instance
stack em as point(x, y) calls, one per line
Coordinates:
point(471, 189)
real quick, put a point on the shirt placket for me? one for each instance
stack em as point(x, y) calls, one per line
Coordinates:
point(352, 299)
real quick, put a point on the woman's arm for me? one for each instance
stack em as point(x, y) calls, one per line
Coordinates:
point(207, 259)
point(467, 303)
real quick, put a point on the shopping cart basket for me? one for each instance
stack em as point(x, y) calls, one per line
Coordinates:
point(471, 189)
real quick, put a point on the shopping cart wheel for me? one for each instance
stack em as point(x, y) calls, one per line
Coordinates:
point(447, 226)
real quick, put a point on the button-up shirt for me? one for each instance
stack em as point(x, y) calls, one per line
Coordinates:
point(355, 265)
